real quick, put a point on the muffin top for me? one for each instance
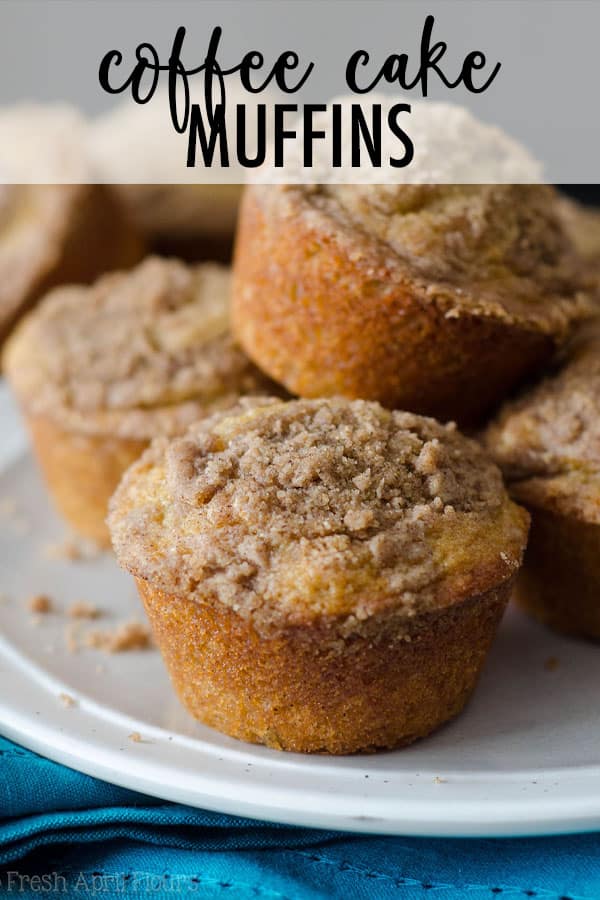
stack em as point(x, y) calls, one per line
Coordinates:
point(165, 197)
point(290, 512)
point(46, 197)
point(496, 250)
point(35, 217)
point(548, 441)
point(34, 222)
point(60, 129)
point(136, 354)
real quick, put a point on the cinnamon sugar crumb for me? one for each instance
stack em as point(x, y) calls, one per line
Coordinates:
point(153, 320)
point(135, 736)
point(125, 637)
point(84, 610)
point(551, 664)
point(67, 701)
point(40, 604)
point(359, 488)
point(358, 519)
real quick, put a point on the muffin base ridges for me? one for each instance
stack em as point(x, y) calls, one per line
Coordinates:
point(307, 688)
point(81, 472)
point(559, 583)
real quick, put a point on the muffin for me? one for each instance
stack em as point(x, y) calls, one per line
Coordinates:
point(320, 575)
point(191, 221)
point(100, 370)
point(433, 298)
point(177, 214)
point(548, 445)
point(53, 233)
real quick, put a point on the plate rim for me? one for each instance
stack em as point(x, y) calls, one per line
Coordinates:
point(431, 812)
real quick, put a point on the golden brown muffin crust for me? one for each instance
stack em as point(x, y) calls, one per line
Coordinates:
point(495, 250)
point(307, 690)
point(441, 308)
point(137, 353)
point(288, 512)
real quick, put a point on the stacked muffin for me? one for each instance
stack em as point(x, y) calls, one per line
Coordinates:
point(547, 443)
point(53, 233)
point(326, 572)
point(101, 370)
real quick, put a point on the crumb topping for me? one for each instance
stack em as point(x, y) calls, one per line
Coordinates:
point(84, 610)
point(113, 356)
point(313, 507)
point(548, 440)
point(40, 604)
point(124, 638)
point(481, 249)
point(67, 700)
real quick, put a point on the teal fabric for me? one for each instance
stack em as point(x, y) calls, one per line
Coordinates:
point(63, 833)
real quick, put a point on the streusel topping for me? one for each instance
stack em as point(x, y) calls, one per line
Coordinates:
point(551, 435)
point(556, 426)
point(288, 511)
point(155, 339)
point(492, 250)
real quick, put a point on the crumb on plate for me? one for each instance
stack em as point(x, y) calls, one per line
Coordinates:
point(127, 636)
point(40, 604)
point(67, 700)
point(84, 610)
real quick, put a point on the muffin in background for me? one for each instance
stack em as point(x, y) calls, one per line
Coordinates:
point(547, 443)
point(320, 575)
point(177, 214)
point(98, 371)
point(434, 298)
point(63, 228)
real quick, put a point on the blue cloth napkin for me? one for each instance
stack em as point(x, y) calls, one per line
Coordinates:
point(62, 832)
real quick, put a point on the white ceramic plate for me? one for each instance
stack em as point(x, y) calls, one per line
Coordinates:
point(523, 759)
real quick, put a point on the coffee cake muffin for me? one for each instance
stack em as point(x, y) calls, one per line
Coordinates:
point(320, 575)
point(434, 298)
point(53, 233)
point(548, 445)
point(101, 370)
point(181, 211)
